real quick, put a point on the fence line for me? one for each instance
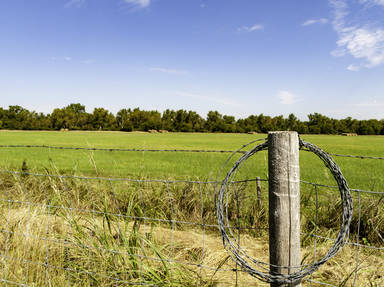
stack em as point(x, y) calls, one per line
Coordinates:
point(19, 193)
point(357, 156)
point(169, 150)
point(120, 149)
point(174, 181)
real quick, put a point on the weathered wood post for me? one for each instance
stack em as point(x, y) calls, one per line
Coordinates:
point(284, 202)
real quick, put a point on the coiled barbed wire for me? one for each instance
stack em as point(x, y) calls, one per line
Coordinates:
point(239, 255)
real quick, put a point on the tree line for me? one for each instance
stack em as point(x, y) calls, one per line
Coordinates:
point(75, 117)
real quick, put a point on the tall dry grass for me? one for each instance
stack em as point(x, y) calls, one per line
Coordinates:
point(80, 232)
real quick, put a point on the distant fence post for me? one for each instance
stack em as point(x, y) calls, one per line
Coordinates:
point(258, 187)
point(284, 203)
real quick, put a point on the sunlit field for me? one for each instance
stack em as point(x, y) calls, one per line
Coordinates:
point(83, 230)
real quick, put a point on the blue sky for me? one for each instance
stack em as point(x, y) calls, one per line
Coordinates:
point(239, 57)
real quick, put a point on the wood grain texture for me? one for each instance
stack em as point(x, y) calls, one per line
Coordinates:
point(284, 202)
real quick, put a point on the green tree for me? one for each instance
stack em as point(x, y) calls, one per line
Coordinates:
point(123, 120)
point(293, 123)
point(196, 121)
point(215, 122)
point(18, 118)
point(319, 124)
point(145, 120)
point(167, 120)
point(102, 119)
point(72, 116)
point(229, 124)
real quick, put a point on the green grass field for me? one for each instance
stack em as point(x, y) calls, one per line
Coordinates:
point(362, 174)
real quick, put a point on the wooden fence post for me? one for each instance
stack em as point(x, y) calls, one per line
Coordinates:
point(284, 202)
point(258, 187)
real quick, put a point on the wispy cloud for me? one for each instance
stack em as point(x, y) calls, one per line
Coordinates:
point(74, 3)
point(63, 59)
point(286, 98)
point(88, 61)
point(372, 103)
point(310, 22)
point(363, 41)
point(133, 3)
point(138, 3)
point(373, 2)
point(169, 71)
point(204, 98)
point(253, 28)
point(70, 59)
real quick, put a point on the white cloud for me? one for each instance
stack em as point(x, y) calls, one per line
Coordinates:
point(286, 98)
point(315, 21)
point(139, 3)
point(364, 44)
point(253, 28)
point(218, 100)
point(74, 3)
point(168, 71)
point(353, 68)
point(362, 41)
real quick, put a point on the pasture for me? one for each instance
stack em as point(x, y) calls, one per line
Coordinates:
point(84, 229)
point(361, 174)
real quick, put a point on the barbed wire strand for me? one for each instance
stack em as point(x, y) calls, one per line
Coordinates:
point(157, 181)
point(120, 149)
point(354, 244)
point(169, 150)
point(117, 179)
